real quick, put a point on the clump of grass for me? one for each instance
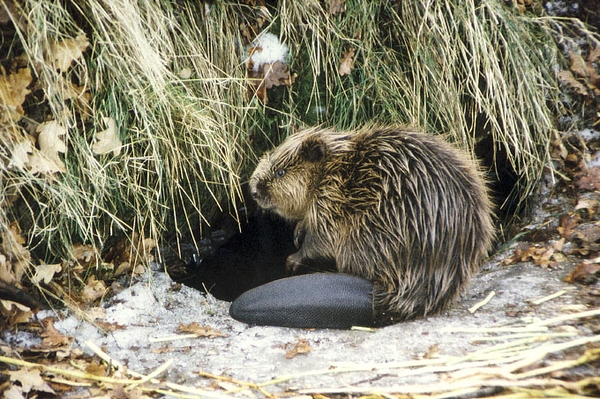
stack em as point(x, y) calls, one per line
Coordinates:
point(169, 75)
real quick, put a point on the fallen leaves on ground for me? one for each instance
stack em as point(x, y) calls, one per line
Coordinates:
point(587, 272)
point(14, 257)
point(94, 289)
point(51, 338)
point(582, 76)
point(545, 256)
point(27, 383)
point(44, 273)
point(15, 313)
point(300, 347)
point(588, 179)
point(200, 331)
point(130, 255)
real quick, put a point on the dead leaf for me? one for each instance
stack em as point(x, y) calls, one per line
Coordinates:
point(337, 7)
point(199, 331)
point(93, 290)
point(277, 74)
point(578, 64)
point(541, 256)
point(588, 179)
point(14, 258)
point(95, 313)
point(45, 273)
point(126, 255)
point(346, 62)
point(568, 79)
point(108, 140)
point(95, 368)
point(109, 327)
point(586, 273)
point(567, 225)
point(13, 90)
point(20, 154)
point(30, 380)
point(61, 54)
point(433, 352)
point(47, 159)
point(268, 76)
point(51, 337)
point(300, 347)
point(15, 313)
point(592, 206)
point(84, 255)
point(587, 237)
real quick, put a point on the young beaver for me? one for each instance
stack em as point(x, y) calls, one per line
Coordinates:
point(403, 210)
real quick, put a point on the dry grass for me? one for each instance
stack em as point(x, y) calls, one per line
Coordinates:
point(170, 77)
point(169, 74)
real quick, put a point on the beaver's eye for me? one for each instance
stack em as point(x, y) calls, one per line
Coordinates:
point(280, 172)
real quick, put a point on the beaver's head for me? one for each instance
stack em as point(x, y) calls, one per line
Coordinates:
point(285, 179)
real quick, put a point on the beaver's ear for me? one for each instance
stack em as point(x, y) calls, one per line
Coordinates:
point(313, 149)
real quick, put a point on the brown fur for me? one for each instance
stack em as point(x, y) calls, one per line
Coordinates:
point(402, 209)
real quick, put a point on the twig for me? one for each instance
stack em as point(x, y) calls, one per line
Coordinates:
point(104, 356)
point(172, 338)
point(150, 376)
point(196, 391)
point(474, 308)
point(567, 317)
point(549, 297)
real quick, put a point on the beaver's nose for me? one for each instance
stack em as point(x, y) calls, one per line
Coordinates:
point(254, 192)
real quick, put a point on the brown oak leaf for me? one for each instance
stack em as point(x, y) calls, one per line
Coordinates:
point(45, 273)
point(30, 380)
point(347, 62)
point(588, 179)
point(93, 290)
point(62, 53)
point(51, 338)
point(13, 90)
point(47, 159)
point(587, 272)
point(567, 225)
point(300, 347)
point(108, 140)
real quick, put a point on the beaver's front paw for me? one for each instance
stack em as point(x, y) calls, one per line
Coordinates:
point(293, 264)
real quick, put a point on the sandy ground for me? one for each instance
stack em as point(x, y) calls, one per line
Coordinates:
point(154, 308)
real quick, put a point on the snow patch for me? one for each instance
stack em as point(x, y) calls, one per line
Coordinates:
point(267, 49)
point(589, 134)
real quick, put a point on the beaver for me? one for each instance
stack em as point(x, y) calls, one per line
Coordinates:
point(401, 209)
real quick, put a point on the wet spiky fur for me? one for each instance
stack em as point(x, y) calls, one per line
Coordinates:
point(402, 209)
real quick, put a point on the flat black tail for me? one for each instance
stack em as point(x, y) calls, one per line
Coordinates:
point(320, 300)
